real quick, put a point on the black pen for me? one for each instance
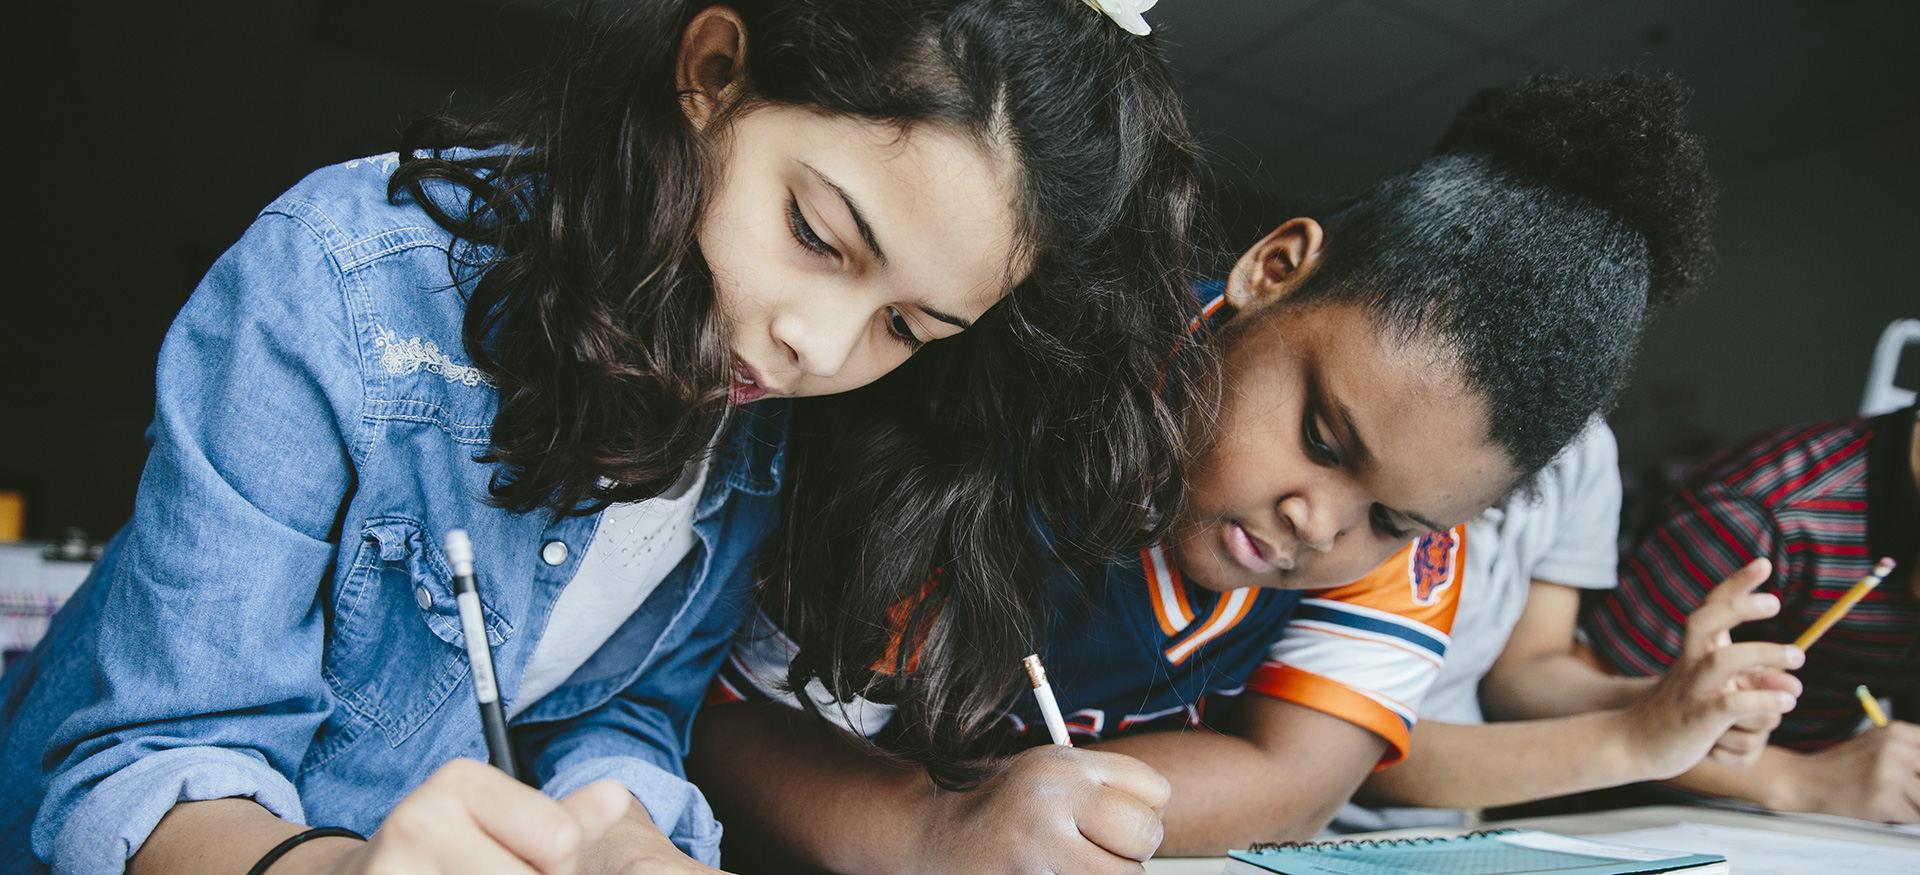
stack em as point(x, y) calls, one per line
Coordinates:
point(493, 720)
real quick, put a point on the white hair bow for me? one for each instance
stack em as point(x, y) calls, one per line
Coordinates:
point(1125, 13)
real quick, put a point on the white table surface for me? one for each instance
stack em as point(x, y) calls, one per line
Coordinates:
point(22, 570)
point(1619, 820)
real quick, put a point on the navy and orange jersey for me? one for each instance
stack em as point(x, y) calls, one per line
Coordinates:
point(1369, 651)
point(1131, 646)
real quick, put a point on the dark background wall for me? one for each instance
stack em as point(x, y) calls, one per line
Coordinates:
point(145, 136)
point(148, 136)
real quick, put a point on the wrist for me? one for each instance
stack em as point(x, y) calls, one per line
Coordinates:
point(1623, 692)
point(631, 846)
point(1783, 782)
point(936, 814)
point(322, 856)
point(1634, 748)
point(894, 825)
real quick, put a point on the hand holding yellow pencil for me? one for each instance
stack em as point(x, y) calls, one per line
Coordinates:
point(1840, 608)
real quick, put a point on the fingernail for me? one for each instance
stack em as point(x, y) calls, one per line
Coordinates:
point(1766, 601)
point(1795, 657)
point(1787, 701)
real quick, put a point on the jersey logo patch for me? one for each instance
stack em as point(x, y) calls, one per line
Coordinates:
point(1430, 566)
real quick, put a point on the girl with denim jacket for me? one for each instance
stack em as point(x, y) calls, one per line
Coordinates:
point(572, 330)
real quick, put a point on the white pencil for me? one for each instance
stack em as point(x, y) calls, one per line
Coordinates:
point(1049, 708)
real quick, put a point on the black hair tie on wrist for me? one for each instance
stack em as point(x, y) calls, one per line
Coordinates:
point(281, 849)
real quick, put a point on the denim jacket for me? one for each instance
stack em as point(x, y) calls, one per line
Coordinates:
point(277, 621)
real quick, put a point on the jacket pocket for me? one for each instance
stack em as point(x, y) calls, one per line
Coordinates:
point(395, 650)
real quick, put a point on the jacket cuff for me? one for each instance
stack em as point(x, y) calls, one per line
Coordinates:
point(108, 824)
point(675, 805)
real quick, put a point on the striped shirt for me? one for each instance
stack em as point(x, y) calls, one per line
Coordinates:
point(1823, 502)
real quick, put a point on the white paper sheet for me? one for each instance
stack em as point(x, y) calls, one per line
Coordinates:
point(1756, 852)
point(1547, 841)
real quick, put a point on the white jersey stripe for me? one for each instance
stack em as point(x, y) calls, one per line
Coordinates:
point(1395, 674)
point(1400, 644)
point(1223, 620)
point(1168, 604)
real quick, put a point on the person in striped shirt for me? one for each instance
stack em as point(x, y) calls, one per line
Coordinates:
point(1822, 503)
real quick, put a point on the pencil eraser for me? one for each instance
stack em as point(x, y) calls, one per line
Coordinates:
point(1884, 566)
point(459, 549)
point(1034, 672)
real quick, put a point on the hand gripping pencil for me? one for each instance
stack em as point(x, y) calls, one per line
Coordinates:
point(493, 720)
point(1049, 708)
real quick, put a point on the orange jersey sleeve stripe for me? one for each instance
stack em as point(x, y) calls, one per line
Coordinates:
point(1331, 697)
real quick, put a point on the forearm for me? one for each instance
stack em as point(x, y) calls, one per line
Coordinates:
point(1458, 766)
point(1774, 782)
point(1227, 793)
point(230, 835)
point(1557, 685)
point(1281, 776)
point(789, 779)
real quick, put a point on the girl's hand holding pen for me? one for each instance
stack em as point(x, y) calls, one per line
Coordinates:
point(1720, 700)
point(1053, 809)
point(471, 819)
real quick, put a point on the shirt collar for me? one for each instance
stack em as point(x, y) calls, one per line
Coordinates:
point(1893, 503)
point(753, 451)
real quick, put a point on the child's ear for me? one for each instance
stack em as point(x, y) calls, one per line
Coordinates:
point(1277, 266)
point(712, 67)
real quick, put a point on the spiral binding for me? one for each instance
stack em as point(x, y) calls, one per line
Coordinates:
point(1262, 847)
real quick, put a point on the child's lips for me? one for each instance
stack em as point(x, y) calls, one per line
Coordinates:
point(1251, 553)
point(745, 387)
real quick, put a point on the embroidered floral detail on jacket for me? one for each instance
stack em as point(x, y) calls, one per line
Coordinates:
point(410, 355)
point(385, 163)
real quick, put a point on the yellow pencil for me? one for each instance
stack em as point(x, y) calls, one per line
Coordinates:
point(1870, 705)
point(1845, 604)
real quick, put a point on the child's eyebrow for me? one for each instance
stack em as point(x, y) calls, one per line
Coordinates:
point(1419, 520)
point(959, 322)
point(859, 218)
point(1357, 453)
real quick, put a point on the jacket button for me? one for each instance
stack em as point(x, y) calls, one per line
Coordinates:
point(425, 598)
point(554, 553)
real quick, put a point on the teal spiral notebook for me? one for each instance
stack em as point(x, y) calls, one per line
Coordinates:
point(1499, 852)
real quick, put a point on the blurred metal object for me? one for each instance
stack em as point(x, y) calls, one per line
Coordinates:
point(1882, 395)
point(73, 547)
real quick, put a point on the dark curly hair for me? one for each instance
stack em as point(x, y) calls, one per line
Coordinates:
point(595, 314)
point(593, 308)
point(1552, 221)
point(915, 506)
